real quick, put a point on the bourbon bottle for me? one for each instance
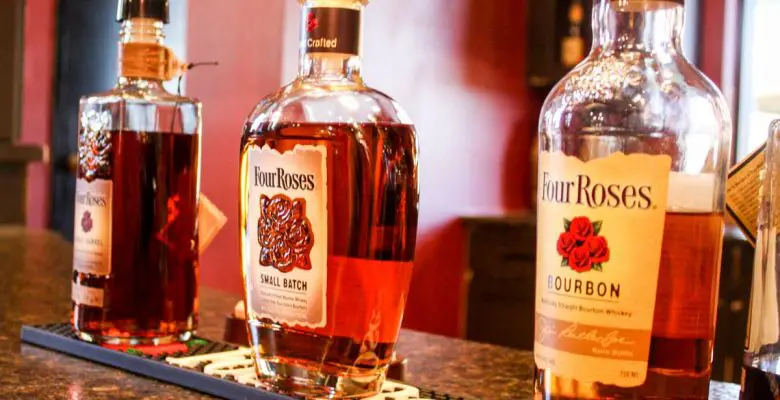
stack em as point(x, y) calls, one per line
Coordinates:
point(329, 204)
point(634, 148)
point(135, 262)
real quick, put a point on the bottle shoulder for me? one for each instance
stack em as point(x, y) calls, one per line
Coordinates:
point(139, 95)
point(637, 93)
point(141, 109)
point(339, 102)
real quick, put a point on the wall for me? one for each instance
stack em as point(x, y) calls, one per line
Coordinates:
point(40, 18)
point(458, 68)
point(244, 38)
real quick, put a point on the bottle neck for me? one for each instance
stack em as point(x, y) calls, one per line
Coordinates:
point(330, 42)
point(142, 53)
point(323, 66)
point(638, 26)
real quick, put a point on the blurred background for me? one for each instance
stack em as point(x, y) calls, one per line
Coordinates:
point(471, 73)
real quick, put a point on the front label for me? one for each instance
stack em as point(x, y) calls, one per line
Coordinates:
point(331, 30)
point(92, 227)
point(599, 249)
point(287, 226)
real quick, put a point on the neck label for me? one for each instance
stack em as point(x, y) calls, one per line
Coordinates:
point(148, 61)
point(331, 30)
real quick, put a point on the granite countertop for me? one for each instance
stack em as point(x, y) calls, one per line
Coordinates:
point(34, 288)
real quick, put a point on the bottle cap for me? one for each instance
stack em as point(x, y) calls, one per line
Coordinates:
point(154, 9)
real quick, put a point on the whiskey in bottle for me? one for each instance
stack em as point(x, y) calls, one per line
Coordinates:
point(634, 148)
point(135, 275)
point(329, 204)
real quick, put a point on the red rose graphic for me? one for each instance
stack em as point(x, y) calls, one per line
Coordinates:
point(86, 222)
point(566, 242)
point(581, 227)
point(581, 246)
point(311, 23)
point(599, 250)
point(579, 259)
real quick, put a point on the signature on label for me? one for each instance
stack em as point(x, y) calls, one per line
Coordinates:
point(550, 329)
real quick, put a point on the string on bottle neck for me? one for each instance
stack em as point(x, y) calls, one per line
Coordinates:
point(186, 69)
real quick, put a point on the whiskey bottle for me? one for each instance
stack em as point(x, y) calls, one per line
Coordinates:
point(135, 262)
point(760, 372)
point(634, 147)
point(329, 204)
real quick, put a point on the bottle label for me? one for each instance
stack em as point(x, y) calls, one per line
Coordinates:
point(287, 229)
point(86, 296)
point(92, 227)
point(331, 30)
point(148, 60)
point(599, 240)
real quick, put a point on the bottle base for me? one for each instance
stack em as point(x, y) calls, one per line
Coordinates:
point(309, 380)
point(142, 340)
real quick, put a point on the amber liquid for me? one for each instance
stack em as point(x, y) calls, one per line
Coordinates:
point(372, 224)
point(683, 323)
point(151, 294)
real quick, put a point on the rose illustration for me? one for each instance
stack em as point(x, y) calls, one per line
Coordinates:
point(581, 228)
point(599, 250)
point(566, 243)
point(581, 246)
point(311, 23)
point(284, 233)
point(86, 222)
point(579, 259)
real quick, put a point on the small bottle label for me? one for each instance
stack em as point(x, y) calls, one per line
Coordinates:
point(600, 232)
point(331, 30)
point(86, 296)
point(92, 227)
point(287, 228)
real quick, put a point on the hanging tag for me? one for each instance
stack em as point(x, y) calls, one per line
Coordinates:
point(743, 192)
point(210, 222)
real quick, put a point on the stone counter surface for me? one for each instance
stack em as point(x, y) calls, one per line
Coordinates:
point(35, 288)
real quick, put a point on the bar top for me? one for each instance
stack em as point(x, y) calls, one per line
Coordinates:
point(34, 288)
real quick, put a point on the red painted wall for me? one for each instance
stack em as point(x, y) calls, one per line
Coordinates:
point(37, 91)
point(244, 38)
point(458, 67)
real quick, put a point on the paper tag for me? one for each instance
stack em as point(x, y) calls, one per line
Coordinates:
point(210, 222)
point(743, 193)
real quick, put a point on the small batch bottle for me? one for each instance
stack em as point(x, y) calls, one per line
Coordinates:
point(634, 147)
point(328, 216)
point(135, 262)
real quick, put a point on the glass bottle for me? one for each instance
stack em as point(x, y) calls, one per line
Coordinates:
point(135, 278)
point(761, 361)
point(329, 203)
point(634, 150)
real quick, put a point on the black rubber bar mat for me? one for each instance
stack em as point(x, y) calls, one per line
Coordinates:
point(216, 368)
